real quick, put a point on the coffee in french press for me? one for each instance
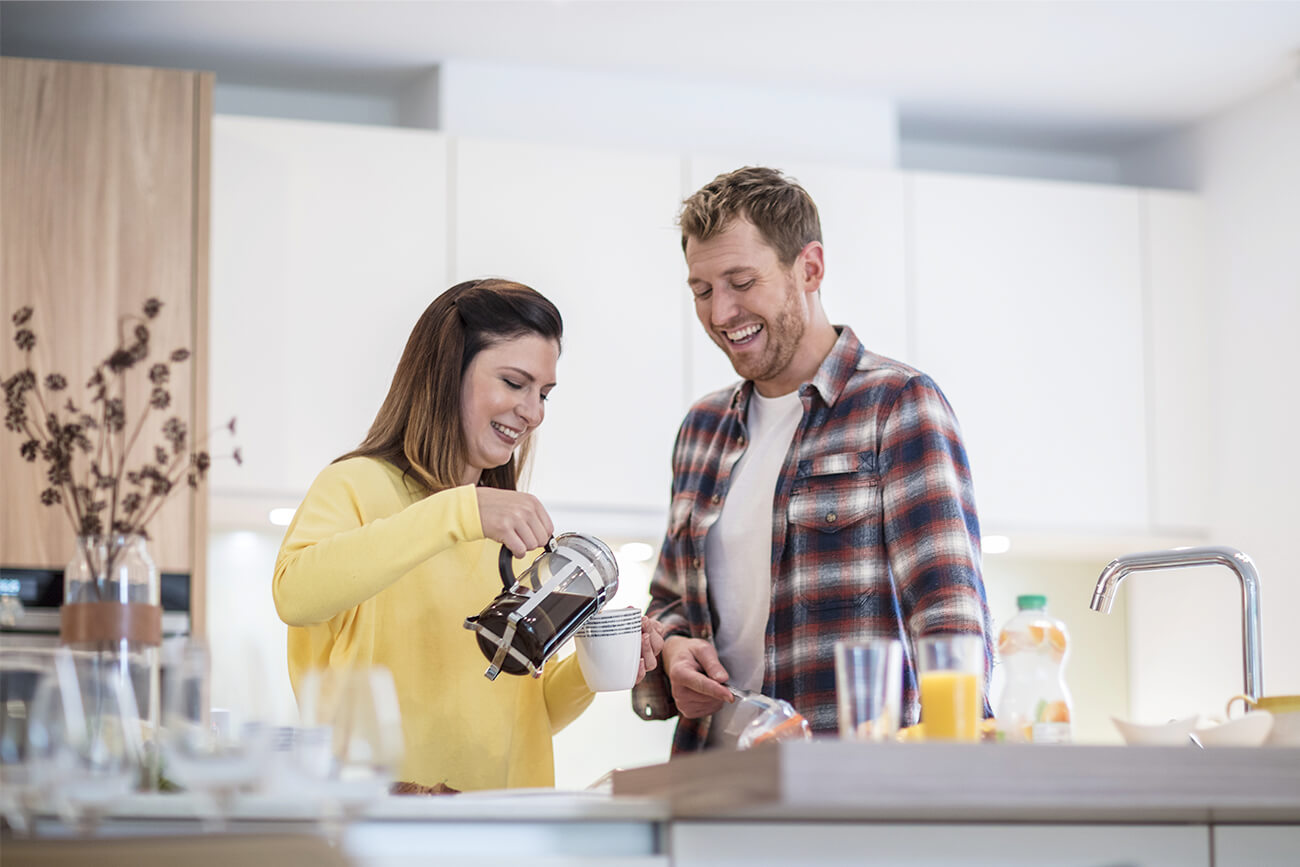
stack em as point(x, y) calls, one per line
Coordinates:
point(541, 609)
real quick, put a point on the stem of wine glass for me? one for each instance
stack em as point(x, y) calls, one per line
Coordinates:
point(19, 814)
point(334, 820)
point(215, 806)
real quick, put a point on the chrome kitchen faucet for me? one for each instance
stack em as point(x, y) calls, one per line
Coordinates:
point(1147, 561)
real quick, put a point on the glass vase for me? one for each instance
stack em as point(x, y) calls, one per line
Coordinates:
point(112, 616)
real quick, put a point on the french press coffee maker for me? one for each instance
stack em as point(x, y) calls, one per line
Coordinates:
point(537, 612)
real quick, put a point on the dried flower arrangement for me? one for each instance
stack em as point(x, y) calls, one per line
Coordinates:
point(87, 451)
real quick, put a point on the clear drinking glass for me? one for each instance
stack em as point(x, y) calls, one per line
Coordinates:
point(951, 671)
point(216, 763)
point(21, 674)
point(85, 734)
point(868, 688)
point(351, 740)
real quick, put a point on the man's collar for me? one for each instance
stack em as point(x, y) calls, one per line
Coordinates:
point(839, 365)
point(831, 377)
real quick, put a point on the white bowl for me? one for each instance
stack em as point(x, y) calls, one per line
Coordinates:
point(1171, 734)
point(1250, 730)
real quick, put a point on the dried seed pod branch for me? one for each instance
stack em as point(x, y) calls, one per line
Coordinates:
point(87, 452)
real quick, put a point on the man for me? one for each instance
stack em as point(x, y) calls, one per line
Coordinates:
point(825, 497)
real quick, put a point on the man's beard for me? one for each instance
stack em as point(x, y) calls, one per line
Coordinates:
point(782, 336)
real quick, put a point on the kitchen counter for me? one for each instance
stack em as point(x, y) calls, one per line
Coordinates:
point(824, 802)
point(831, 779)
point(565, 827)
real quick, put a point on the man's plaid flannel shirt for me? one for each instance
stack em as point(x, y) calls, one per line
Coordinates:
point(874, 531)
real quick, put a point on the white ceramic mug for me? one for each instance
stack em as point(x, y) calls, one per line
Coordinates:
point(609, 650)
point(1286, 716)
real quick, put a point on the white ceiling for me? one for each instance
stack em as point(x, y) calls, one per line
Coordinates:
point(1100, 72)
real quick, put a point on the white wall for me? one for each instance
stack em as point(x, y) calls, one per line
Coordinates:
point(1096, 667)
point(926, 155)
point(602, 109)
point(1246, 163)
point(411, 101)
point(250, 669)
point(302, 104)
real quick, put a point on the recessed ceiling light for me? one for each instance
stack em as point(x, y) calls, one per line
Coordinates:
point(638, 551)
point(996, 544)
point(281, 517)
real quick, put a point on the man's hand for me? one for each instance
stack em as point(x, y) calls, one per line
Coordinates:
point(652, 642)
point(696, 676)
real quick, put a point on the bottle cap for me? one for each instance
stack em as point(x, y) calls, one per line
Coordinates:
point(1031, 602)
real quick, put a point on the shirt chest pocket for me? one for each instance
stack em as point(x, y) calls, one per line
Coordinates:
point(834, 493)
point(835, 538)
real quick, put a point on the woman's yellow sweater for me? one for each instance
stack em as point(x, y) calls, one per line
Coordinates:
point(372, 572)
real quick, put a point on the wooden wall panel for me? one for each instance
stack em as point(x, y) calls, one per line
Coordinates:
point(203, 84)
point(99, 200)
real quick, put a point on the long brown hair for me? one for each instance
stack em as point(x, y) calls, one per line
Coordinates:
point(418, 427)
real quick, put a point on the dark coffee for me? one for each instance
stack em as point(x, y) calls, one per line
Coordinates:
point(540, 632)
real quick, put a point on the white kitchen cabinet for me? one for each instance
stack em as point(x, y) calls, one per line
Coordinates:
point(593, 231)
point(1179, 363)
point(1065, 322)
point(863, 223)
point(720, 844)
point(1256, 845)
point(328, 241)
point(1029, 316)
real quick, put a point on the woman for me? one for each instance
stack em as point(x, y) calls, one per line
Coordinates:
point(397, 541)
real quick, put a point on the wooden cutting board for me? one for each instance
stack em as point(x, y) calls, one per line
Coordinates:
point(832, 779)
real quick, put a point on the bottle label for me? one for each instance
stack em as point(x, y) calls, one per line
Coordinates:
point(1051, 733)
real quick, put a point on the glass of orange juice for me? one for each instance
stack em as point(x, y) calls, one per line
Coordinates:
point(951, 670)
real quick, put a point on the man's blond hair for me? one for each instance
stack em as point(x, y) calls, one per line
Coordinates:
point(782, 211)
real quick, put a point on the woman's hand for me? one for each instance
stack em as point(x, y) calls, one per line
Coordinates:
point(515, 519)
point(652, 641)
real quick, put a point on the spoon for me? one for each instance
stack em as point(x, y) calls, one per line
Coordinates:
point(757, 698)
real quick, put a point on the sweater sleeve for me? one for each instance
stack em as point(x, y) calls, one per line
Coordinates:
point(337, 553)
point(567, 693)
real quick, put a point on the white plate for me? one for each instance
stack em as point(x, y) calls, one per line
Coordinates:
point(1250, 730)
point(1171, 734)
point(533, 793)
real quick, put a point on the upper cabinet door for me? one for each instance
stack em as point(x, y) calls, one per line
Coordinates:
point(1030, 318)
point(328, 241)
point(592, 230)
point(862, 215)
point(104, 205)
point(1178, 337)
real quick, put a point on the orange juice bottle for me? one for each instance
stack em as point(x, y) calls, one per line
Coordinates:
point(1035, 706)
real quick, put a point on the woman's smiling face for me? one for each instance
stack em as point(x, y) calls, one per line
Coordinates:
point(502, 399)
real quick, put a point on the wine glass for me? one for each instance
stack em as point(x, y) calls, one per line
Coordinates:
point(352, 742)
point(85, 738)
point(214, 762)
point(21, 673)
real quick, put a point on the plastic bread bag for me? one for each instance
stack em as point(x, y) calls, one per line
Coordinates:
point(777, 720)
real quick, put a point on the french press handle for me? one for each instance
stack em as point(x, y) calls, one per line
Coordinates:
point(506, 565)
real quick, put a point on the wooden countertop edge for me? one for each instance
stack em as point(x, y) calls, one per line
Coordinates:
point(835, 780)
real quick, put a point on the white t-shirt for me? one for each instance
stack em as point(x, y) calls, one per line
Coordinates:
point(738, 552)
